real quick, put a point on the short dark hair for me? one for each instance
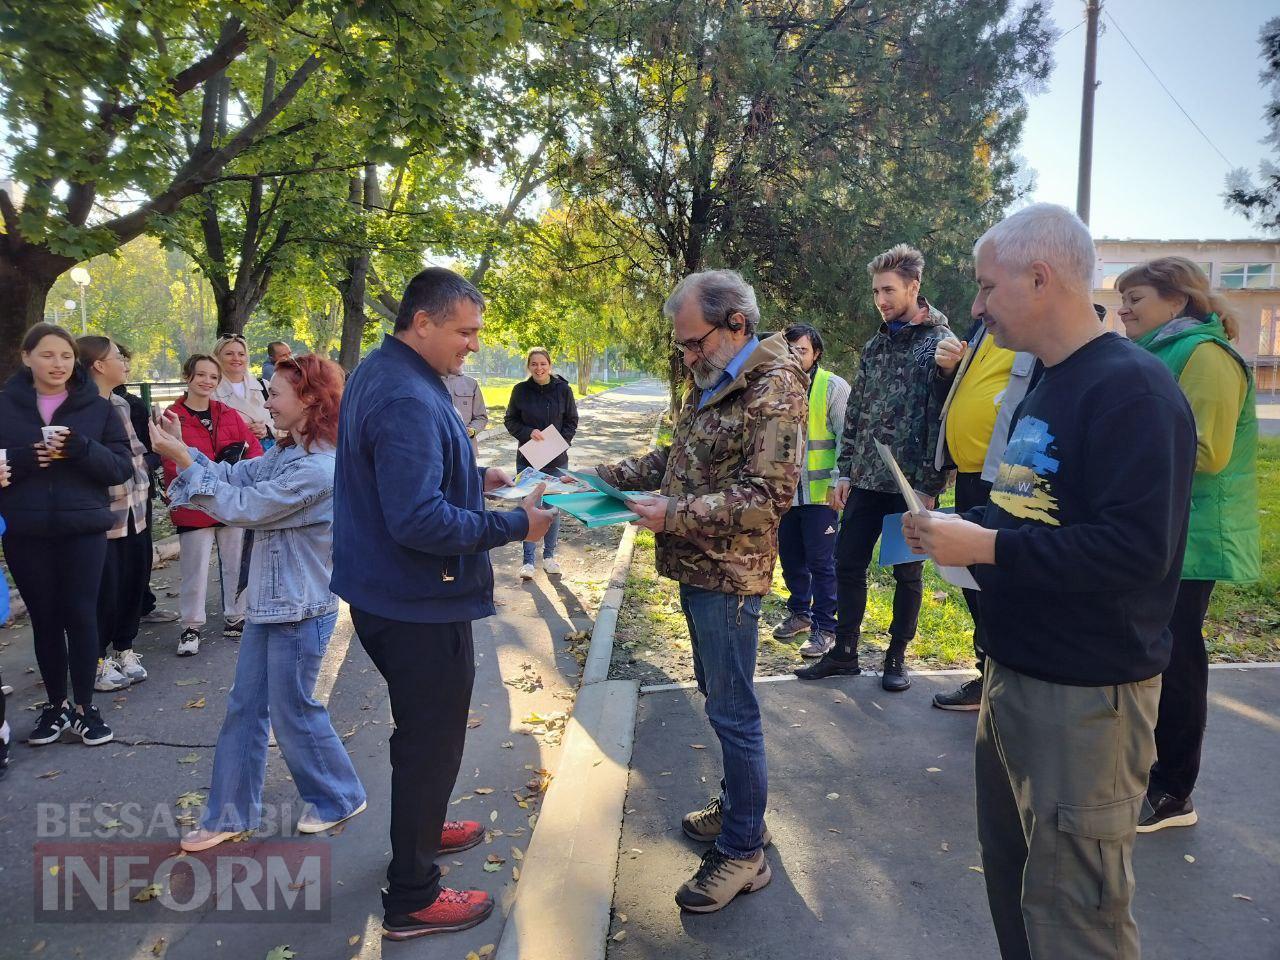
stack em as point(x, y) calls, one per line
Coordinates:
point(271, 348)
point(798, 330)
point(42, 330)
point(93, 348)
point(435, 291)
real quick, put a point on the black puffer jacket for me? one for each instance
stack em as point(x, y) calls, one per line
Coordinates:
point(535, 407)
point(70, 495)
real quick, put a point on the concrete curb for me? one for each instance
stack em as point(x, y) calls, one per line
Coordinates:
point(161, 552)
point(565, 895)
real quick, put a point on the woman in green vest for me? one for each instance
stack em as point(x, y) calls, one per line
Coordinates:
point(1169, 310)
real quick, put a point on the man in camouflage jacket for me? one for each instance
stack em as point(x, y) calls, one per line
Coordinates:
point(725, 481)
point(891, 401)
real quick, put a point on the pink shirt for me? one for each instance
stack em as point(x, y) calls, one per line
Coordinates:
point(48, 403)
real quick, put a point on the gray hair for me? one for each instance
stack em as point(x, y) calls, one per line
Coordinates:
point(721, 294)
point(1047, 232)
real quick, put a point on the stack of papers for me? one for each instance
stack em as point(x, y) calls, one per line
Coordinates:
point(527, 481)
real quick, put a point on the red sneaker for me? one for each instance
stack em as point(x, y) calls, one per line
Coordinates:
point(459, 835)
point(453, 910)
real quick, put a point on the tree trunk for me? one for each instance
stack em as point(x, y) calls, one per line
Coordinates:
point(585, 356)
point(25, 282)
point(353, 315)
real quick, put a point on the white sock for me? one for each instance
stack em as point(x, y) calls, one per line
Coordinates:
point(4, 732)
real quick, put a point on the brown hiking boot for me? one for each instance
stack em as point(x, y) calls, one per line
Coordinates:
point(704, 825)
point(720, 878)
point(793, 626)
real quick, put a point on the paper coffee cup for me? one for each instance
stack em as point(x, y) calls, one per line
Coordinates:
point(52, 432)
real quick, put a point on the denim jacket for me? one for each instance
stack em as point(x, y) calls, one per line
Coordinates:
point(286, 498)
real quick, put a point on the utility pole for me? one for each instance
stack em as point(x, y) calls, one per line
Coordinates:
point(1084, 182)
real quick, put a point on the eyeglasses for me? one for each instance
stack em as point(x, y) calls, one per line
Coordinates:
point(693, 346)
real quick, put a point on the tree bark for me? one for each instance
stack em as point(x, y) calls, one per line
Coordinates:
point(352, 288)
point(25, 281)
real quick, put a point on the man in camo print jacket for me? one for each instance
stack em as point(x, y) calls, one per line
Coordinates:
point(725, 481)
point(890, 400)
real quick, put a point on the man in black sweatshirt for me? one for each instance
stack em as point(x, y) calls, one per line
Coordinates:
point(1078, 555)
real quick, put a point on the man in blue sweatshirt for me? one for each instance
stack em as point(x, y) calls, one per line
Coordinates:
point(1078, 554)
point(410, 555)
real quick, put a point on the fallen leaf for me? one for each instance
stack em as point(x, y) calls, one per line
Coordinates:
point(487, 951)
point(492, 867)
point(1189, 858)
point(507, 744)
point(515, 874)
point(494, 858)
point(472, 955)
point(54, 870)
point(932, 769)
point(876, 705)
point(493, 817)
point(622, 918)
point(281, 952)
point(158, 948)
point(977, 870)
point(196, 704)
point(533, 821)
point(474, 722)
point(112, 825)
point(833, 796)
point(353, 940)
point(298, 885)
point(946, 847)
point(484, 791)
point(619, 936)
point(188, 683)
point(698, 746)
point(48, 774)
point(149, 892)
point(1241, 896)
point(39, 944)
point(192, 799)
point(517, 853)
point(190, 758)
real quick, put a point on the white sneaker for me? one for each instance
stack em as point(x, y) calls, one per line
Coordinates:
point(196, 840)
point(131, 666)
point(309, 823)
point(189, 642)
point(551, 567)
point(526, 572)
point(109, 677)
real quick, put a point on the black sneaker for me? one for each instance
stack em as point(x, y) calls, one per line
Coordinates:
point(234, 629)
point(1160, 810)
point(829, 666)
point(968, 697)
point(90, 727)
point(53, 720)
point(894, 678)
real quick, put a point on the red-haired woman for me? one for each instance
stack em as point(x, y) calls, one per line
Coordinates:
point(285, 500)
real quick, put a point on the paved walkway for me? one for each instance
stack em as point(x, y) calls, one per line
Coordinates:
point(885, 868)
point(164, 744)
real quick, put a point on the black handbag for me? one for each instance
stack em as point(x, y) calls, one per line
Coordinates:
point(232, 452)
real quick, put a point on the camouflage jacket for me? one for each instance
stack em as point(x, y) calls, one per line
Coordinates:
point(731, 471)
point(890, 399)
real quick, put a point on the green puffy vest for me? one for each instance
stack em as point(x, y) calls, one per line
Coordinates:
point(821, 445)
point(1224, 538)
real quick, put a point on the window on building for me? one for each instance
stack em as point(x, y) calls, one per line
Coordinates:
point(1269, 333)
point(1207, 268)
point(1111, 272)
point(1245, 276)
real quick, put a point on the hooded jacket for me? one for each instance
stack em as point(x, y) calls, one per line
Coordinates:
point(536, 406)
point(70, 495)
point(730, 473)
point(228, 427)
point(891, 400)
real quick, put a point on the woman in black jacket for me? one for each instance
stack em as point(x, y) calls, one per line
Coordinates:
point(65, 446)
point(544, 400)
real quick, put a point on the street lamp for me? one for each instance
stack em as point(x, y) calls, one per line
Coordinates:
point(80, 277)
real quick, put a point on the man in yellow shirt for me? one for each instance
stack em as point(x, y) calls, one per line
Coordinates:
point(980, 385)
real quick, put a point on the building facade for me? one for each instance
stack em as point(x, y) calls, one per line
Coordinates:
point(1245, 272)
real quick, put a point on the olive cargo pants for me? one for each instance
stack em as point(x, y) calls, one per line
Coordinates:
point(1061, 772)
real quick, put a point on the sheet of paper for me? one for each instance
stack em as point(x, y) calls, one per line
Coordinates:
point(908, 494)
point(959, 577)
point(528, 478)
point(541, 452)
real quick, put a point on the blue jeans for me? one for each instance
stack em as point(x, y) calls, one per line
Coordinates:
point(725, 629)
point(548, 543)
point(807, 550)
point(274, 686)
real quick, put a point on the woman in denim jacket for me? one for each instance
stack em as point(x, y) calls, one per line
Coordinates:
point(285, 500)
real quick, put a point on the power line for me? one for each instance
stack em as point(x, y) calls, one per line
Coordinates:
point(1157, 79)
point(1066, 33)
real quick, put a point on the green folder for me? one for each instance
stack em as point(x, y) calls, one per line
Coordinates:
point(603, 508)
point(593, 509)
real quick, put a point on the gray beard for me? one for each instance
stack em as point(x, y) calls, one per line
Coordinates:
point(707, 372)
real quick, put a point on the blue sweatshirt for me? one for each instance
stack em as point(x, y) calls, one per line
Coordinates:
point(410, 531)
point(1091, 505)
